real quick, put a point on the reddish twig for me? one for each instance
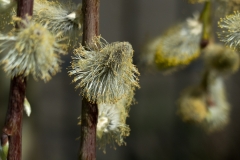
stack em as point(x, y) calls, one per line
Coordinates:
point(90, 10)
point(13, 122)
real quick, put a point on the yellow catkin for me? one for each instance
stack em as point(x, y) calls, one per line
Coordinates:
point(168, 62)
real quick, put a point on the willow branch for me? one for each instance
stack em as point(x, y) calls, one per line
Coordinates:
point(13, 122)
point(90, 10)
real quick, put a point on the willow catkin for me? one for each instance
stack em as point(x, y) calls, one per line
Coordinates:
point(221, 59)
point(218, 106)
point(60, 17)
point(31, 50)
point(104, 72)
point(192, 106)
point(207, 108)
point(179, 45)
point(229, 30)
point(111, 127)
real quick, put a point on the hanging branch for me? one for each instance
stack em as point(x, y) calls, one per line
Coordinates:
point(90, 10)
point(13, 122)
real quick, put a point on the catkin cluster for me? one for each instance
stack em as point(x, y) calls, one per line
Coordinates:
point(206, 104)
point(106, 76)
point(104, 72)
point(31, 50)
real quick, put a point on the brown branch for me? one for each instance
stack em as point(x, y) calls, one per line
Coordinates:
point(90, 10)
point(13, 122)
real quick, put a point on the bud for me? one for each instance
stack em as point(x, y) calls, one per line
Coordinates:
point(4, 147)
point(27, 107)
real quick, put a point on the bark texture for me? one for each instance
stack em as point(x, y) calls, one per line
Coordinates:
point(13, 122)
point(90, 10)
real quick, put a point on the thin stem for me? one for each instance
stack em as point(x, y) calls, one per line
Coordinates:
point(13, 122)
point(205, 18)
point(88, 131)
point(90, 10)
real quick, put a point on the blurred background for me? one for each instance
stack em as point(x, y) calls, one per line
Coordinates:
point(51, 132)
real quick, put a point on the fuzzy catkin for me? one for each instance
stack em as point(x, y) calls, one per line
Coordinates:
point(112, 127)
point(59, 17)
point(222, 59)
point(192, 106)
point(105, 71)
point(207, 108)
point(230, 32)
point(31, 50)
point(218, 106)
point(179, 45)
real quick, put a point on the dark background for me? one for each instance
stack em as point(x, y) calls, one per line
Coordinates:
point(51, 131)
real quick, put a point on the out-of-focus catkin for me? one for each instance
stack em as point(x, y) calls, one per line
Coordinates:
point(221, 59)
point(207, 104)
point(177, 47)
point(31, 50)
point(192, 106)
point(60, 17)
